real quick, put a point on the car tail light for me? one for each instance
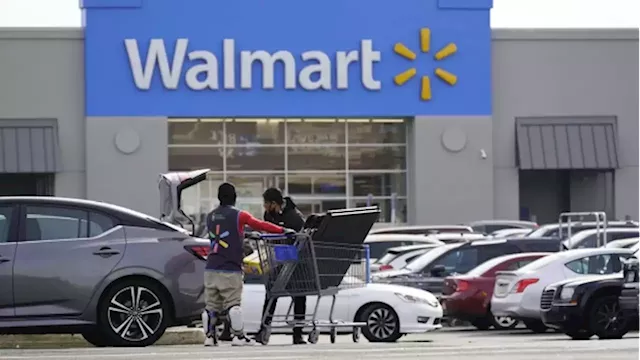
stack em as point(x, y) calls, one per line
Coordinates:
point(524, 283)
point(200, 252)
point(462, 285)
point(385, 267)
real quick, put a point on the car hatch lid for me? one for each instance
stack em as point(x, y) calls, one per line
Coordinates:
point(170, 186)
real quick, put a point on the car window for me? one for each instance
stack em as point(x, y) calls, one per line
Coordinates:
point(55, 223)
point(386, 258)
point(99, 224)
point(596, 265)
point(589, 242)
point(621, 235)
point(489, 252)
point(515, 265)
point(411, 258)
point(5, 222)
point(541, 246)
point(496, 227)
point(458, 261)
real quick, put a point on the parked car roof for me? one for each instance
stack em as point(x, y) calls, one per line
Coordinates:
point(422, 229)
point(522, 223)
point(458, 237)
point(544, 229)
point(623, 243)
point(408, 248)
point(402, 237)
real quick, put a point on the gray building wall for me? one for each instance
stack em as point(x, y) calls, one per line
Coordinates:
point(553, 73)
point(42, 77)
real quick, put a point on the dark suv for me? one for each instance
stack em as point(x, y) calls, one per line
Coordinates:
point(429, 270)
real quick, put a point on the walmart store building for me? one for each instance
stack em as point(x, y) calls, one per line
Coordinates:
point(415, 105)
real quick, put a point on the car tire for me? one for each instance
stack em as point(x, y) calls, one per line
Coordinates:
point(481, 324)
point(536, 326)
point(503, 322)
point(133, 313)
point(580, 334)
point(95, 337)
point(606, 319)
point(382, 323)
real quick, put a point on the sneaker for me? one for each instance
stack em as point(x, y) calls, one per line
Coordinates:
point(242, 341)
point(208, 341)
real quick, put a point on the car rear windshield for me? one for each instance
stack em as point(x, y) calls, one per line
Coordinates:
point(422, 261)
point(486, 266)
point(387, 258)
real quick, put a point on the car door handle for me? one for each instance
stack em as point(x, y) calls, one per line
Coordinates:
point(4, 260)
point(106, 252)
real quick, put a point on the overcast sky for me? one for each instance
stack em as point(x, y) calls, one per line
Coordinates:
point(505, 13)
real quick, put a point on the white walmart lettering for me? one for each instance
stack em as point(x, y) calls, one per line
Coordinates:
point(315, 75)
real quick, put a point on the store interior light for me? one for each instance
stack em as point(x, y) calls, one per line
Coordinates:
point(211, 120)
point(358, 120)
point(183, 120)
point(294, 120)
point(275, 121)
point(259, 121)
point(388, 121)
point(320, 120)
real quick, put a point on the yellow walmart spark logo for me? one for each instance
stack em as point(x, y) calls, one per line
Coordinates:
point(425, 45)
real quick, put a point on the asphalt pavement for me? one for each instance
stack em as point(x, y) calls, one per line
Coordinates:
point(446, 344)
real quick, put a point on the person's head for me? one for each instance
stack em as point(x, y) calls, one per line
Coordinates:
point(273, 200)
point(227, 194)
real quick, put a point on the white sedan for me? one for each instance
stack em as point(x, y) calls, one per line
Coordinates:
point(517, 294)
point(389, 311)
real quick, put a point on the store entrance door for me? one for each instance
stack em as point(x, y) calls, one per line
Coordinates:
point(26, 185)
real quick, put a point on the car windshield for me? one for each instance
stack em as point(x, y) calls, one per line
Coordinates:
point(486, 266)
point(422, 261)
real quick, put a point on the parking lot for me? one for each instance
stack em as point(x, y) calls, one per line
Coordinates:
point(449, 343)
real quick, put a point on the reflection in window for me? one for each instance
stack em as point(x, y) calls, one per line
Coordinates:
point(316, 158)
point(196, 131)
point(194, 158)
point(384, 158)
point(252, 158)
point(317, 184)
point(378, 184)
point(377, 131)
point(387, 212)
point(252, 186)
point(255, 131)
point(315, 131)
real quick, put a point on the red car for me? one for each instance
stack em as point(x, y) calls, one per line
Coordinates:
point(468, 296)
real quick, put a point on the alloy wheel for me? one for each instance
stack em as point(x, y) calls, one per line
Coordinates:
point(504, 321)
point(135, 313)
point(609, 317)
point(382, 323)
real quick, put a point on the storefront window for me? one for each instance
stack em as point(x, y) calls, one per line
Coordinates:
point(316, 157)
point(304, 157)
point(317, 184)
point(379, 184)
point(252, 158)
point(379, 157)
point(315, 131)
point(255, 131)
point(192, 158)
point(196, 131)
point(377, 131)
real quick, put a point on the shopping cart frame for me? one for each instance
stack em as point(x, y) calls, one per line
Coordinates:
point(310, 319)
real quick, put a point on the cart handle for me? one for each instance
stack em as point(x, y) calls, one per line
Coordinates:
point(259, 236)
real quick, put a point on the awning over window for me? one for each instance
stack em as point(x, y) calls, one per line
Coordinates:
point(29, 146)
point(566, 143)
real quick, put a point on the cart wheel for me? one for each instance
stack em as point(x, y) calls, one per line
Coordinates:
point(333, 334)
point(265, 335)
point(313, 336)
point(355, 335)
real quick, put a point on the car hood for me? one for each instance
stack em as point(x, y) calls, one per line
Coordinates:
point(585, 280)
point(389, 274)
point(404, 290)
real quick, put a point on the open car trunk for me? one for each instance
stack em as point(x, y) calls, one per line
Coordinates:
point(170, 186)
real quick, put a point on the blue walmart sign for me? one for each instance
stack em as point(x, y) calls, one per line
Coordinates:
point(287, 58)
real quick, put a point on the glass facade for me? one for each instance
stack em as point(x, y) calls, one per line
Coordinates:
point(322, 164)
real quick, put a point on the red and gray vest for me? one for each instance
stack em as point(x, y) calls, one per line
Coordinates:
point(226, 252)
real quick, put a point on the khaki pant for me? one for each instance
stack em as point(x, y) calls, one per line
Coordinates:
point(222, 290)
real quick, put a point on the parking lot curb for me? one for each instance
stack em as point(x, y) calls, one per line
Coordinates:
point(171, 337)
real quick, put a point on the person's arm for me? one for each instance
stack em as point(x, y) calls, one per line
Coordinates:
point(258, 225)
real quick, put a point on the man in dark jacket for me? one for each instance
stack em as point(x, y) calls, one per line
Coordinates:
point(283, 212)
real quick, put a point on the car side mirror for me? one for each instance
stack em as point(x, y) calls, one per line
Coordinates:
point(630, 269)
point(438, 270)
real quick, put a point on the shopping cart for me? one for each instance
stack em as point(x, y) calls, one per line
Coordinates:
point(295, 265)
